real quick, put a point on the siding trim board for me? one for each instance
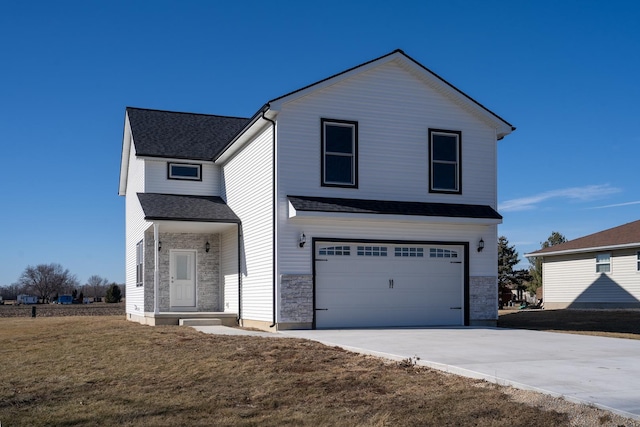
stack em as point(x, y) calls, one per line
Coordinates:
point(465, 245)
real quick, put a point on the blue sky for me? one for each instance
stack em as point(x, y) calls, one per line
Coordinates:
point(564, 73)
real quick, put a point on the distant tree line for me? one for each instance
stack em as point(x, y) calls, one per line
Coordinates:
point(48, 281)
point(521, 280)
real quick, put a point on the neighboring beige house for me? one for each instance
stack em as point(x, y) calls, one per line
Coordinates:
point(361, 200)
point(601, 270)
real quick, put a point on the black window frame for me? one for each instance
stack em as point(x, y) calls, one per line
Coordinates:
point(458, 177)
point(354, 163)
point(184, 178)
point(140, 263)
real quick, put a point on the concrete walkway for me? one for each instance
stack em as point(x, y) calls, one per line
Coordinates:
point(604, 372)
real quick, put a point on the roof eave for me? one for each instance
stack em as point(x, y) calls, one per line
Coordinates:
point(125, 154)
point(583, 250)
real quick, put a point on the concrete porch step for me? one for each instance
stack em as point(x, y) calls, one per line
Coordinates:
point(200, 322)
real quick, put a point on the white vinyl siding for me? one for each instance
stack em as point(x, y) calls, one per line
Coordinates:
point(570, 279)
point(296, 260)
point(229, 269)
point(135, 228)
point(248, 190)
point(157, 181)
point(394, 110)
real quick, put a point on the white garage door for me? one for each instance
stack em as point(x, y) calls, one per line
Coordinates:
point(369, 285)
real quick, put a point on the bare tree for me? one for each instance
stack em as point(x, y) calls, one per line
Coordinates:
point(45, 280)
point(97, 286)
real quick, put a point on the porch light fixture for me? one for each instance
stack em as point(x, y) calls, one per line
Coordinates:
point(207, 246)
point(480, 245)
point(303, 240)
point(159, 245)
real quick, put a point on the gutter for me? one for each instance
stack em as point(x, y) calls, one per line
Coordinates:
point(274, 218)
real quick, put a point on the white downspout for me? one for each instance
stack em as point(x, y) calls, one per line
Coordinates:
point(156, 257)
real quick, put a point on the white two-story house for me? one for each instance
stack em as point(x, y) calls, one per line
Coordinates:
point(365, 199)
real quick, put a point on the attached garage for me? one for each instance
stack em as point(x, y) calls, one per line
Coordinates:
point(389, 284)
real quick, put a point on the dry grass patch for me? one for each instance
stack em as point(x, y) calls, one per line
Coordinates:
point(106, 371)
point(607, 323)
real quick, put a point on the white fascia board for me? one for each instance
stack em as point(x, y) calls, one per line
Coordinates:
point(256, 127)
point(344, 216)
point(585, 250)
point(171, 159)
point(127, 142)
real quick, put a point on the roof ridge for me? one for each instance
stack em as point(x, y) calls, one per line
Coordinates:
point(184, 112)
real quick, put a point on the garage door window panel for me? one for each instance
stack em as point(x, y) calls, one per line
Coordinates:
point(335, 251)
point(372, 251)
point(442, 253)
point(409, 252)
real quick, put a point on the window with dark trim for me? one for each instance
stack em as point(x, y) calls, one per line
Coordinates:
point(187, 171)
point(445, 171)
point(339, 153)
point(638, 258)
point(139, 262)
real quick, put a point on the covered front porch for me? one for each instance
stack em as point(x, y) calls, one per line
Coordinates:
point(182, 260)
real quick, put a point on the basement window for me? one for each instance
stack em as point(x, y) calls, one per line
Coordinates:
point(185, 171)
point(603, 263)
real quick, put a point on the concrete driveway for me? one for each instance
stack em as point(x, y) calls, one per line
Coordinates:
point(604, 372)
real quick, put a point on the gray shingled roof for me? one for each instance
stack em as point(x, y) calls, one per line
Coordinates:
point(387, 207)
point(181, 135)
point(176, 207)
point(626, 234)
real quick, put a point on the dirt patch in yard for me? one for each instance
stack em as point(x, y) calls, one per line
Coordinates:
point(609, 323)
point(107, 371)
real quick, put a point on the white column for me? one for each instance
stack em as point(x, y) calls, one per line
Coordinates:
point(156, 258)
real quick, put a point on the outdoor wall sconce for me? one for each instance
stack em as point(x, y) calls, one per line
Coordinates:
point(159, 245)
point(480, 245)
point(303, 240)
point(207, 246)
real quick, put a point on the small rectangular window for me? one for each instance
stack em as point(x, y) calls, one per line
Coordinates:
point(339, 153)
point(187, 171)
point(445, 172)
point(139, 262)
point(638, 258)
point(603, 263)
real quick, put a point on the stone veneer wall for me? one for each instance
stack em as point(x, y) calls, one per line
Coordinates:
point(296, 298)
point(483, 298)
point(208, 289)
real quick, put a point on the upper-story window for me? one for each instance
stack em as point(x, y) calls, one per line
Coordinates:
point(445, 172)
point(188, 171)
point(339, 153)
point(638, 258)
point(603, 263)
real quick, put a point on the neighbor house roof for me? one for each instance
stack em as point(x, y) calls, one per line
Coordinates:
point(627, 235)
point(388, 207)
point(176, 207)
point(176, 135)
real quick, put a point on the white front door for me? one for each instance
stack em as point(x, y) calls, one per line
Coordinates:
point(182, 270)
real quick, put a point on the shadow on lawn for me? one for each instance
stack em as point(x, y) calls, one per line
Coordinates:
point(597, 321)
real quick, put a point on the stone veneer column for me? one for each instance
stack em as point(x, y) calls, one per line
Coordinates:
point(483, 300)
point(296, 298)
